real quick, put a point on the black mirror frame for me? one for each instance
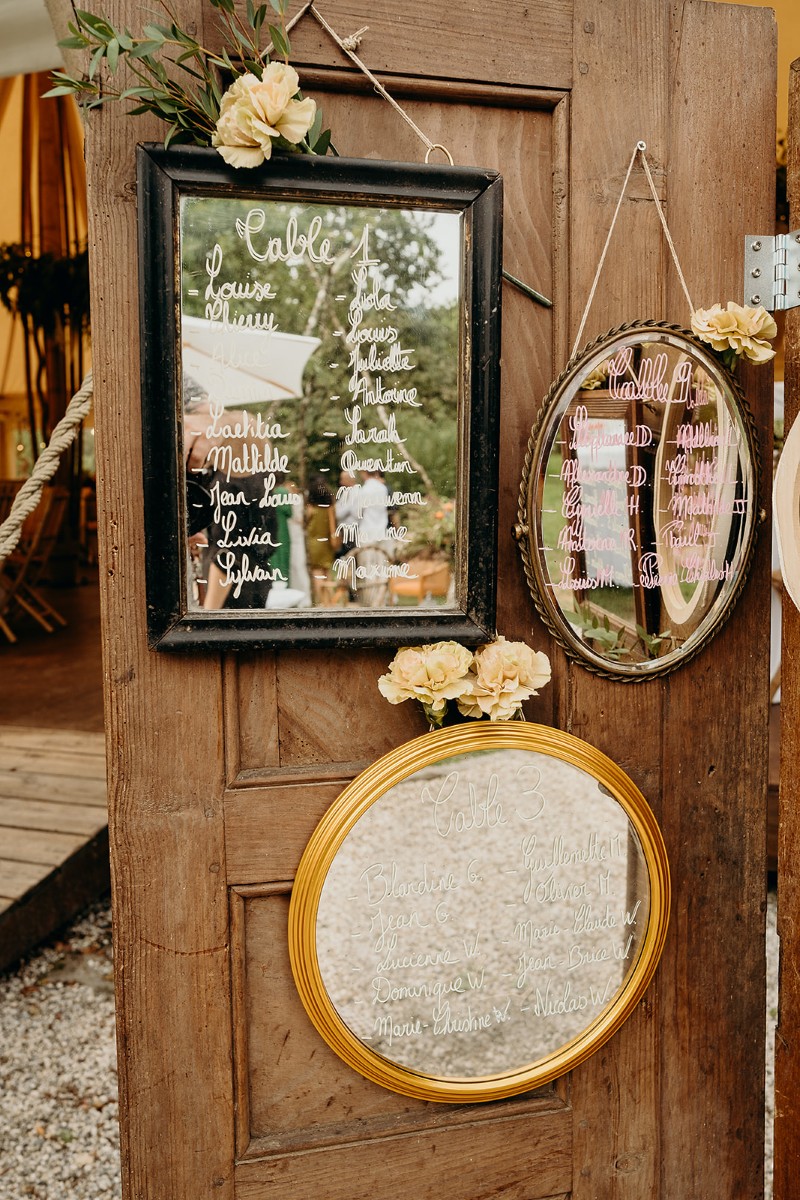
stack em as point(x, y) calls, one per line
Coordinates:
point(164, 177)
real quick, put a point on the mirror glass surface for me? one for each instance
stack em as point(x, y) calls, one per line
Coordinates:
point(482, 913)
point(640, 504)
point(321, 378)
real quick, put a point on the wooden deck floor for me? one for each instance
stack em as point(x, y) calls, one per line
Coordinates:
point(53, 822)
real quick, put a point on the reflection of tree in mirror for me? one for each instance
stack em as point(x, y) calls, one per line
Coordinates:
point(311, 300)
point(337, 327)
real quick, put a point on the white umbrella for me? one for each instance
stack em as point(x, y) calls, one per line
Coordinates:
point(236, 367)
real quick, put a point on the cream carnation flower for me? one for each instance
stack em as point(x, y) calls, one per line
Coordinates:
point(596, 378)
point(743, 331)
point(431, 674)
point(504, 674)
point(255, 111)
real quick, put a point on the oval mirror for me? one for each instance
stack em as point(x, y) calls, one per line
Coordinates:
point(638, 502)
point(479, 911)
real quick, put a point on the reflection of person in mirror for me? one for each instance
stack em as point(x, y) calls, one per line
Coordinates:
point(348, 513)
point(241, 534)
point(290, 556)
point(374, 502)
point(322, 540)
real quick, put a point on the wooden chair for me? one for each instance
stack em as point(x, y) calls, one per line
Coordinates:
point(21, 571)
point(427, 580)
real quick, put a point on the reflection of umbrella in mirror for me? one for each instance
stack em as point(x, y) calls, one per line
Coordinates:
point(236, 367)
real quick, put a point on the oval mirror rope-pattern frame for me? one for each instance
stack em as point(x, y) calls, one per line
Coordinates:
point(638, 503)
point(347, 908)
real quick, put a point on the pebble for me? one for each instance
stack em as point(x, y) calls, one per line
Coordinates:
point(58, 1070)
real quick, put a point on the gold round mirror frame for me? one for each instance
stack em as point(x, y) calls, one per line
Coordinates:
point(530, 496)
point(353, 803)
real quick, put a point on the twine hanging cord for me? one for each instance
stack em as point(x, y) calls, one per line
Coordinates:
point(639, 149)
point(349, 45)
point(30, 493)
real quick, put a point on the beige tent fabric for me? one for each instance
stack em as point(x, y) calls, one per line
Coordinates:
point(27, 40)
point(42, 206)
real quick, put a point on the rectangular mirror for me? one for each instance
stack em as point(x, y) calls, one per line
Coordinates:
point(320, 377)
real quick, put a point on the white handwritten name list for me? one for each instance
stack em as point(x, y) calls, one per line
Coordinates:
point(671, 470)
point(248, 333)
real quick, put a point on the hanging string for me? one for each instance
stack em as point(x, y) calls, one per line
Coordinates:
point(349, 45)
point(46, 466)
point(667, 233)
point(639, 149)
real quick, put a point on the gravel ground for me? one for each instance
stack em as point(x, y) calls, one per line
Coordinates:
point(58, 1078)
point(58, 1081)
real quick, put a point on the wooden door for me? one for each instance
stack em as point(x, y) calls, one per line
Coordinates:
point(221, 767)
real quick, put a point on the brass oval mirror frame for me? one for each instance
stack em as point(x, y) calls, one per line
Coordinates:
point(344, 814)
point(527, 530)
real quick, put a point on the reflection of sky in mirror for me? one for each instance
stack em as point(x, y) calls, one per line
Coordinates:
point(445, 231)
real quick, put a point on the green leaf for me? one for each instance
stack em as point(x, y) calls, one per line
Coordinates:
point(98, 25)
point(138, 92)
point(207, 104)
point(96, 60)
point(75, 43)
point(251, 13)
point(278, 6)
point(112, 51)
point(63, 89)
point(322, 144)
point(316, 128)
point(260, 17)
point(145, 49)
point(156, 33)
point(278, 40)
point(125, 40)
point(173, 129)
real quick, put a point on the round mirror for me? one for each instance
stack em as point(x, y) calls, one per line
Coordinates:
point(479, 911)
point(638, 503)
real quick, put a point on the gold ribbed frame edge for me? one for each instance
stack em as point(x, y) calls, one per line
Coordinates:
point(347, 810)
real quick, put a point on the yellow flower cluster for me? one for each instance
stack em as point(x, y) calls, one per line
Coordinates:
point(493, 682)
point(597, 377)
point(255, 111)
point(745, 331)
point(431, 674)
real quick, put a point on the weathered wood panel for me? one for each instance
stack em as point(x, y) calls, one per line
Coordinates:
point(53, 832)
point(44, 815)
point(267, 829)
point(458, 42)
point(36, 900)
point(787, 1035)
point(621, 57)
point(164, 721)
point(715, 727)
point(636, 1107)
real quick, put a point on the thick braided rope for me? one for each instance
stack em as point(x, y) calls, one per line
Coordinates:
point(30, 493)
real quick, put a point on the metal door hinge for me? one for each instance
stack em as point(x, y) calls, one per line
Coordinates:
point(772, 270)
